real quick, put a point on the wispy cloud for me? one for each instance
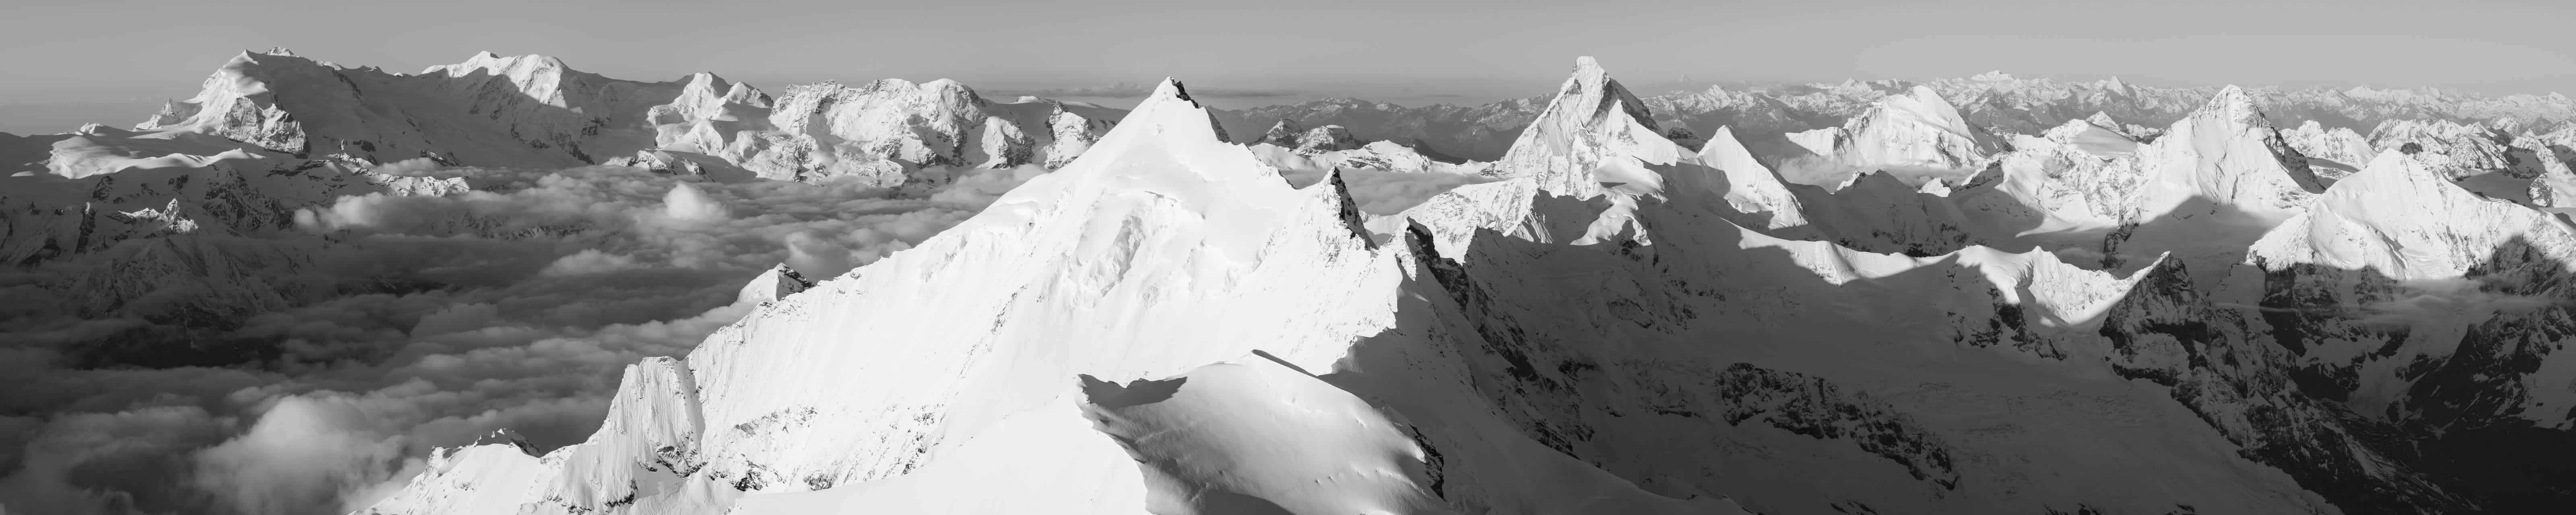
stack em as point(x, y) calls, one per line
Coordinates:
point(2458, 298)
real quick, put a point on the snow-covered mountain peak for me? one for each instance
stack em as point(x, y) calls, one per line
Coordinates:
point(1286, 133)
point(496, 64)
point(1748, 186)
point(708, 97)
point(1589, 70)
point(2405, 218)
point(1166, 121)
point(1591, 119)
point(2231, 103)
point(1170, 89)
point(2103, 119)
point(1327, 138)
point(1917, 135)
point(2231, 120)
point(1593, 141)
point(1922, 107)
point(534, 111)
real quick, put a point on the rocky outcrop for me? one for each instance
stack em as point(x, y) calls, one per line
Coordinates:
point(777, 283)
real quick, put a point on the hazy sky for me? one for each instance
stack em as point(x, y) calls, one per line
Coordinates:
point(65, 50)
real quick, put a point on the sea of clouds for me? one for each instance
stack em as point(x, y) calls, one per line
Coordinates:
point(419, 322)
point(311, 370)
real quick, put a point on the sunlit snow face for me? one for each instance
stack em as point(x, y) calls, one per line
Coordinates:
point(514, 306)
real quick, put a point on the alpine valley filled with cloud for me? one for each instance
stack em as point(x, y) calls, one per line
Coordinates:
point(507, 286)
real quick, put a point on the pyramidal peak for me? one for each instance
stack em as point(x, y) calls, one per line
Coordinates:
point(1926, 106)
point(1588, 71)
point(1173, 147)
point(2402, 216)
point(1592, 118)
point(1167, 115)
point(1170, 88)
point(2231, 103)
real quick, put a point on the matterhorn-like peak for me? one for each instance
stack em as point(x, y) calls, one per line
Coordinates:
point(2233, 104)
point(1591, 119)
point(1285, 133)
point(2102, 119)
point(1588, 71)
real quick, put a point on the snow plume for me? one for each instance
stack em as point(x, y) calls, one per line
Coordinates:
point(2451, 299)
point(423, 321)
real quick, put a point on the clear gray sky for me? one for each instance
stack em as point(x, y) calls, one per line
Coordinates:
point(64, 51)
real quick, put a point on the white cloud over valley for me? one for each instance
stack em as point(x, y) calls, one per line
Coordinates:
point(422, 321)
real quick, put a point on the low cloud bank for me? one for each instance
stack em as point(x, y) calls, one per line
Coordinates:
point(2460, 298)
point(415, 322)
point(1386, 193)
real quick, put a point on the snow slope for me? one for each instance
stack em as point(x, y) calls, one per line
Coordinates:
point(1163, 249)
